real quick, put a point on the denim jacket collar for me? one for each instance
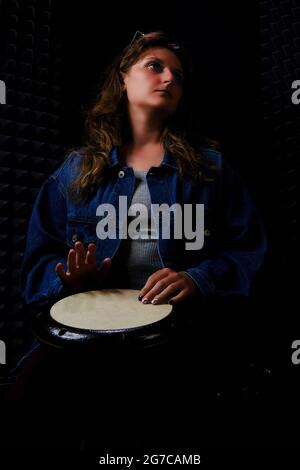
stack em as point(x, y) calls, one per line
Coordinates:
point(168, 159)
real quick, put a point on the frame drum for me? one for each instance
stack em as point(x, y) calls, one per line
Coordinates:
point(106, 317)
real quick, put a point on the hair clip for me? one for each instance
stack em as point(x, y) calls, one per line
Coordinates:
point(136, 35)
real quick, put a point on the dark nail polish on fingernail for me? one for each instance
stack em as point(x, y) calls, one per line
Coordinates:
point(140, 297)
point(171, 302)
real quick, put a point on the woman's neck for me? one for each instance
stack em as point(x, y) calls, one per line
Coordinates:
point(145, 128)
point(145, 148)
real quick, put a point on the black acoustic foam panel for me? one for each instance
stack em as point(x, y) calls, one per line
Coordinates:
point(30, 143)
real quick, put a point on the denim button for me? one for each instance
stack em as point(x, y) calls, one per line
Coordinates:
point(207, 232)
point(74, 238)
point(121, 174)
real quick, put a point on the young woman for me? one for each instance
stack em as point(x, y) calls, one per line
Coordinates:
point(141, 151)
point(141, 145)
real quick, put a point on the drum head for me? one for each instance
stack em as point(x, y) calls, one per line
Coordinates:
point(107, 317)
point(107, 309)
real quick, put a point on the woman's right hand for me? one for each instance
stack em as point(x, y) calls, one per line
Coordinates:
point(82, 268)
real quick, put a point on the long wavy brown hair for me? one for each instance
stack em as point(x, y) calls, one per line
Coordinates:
point(107, 122)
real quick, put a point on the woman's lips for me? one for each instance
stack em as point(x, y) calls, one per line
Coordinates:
point(164, 92)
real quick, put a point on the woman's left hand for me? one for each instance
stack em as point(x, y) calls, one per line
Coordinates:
point(162, 286)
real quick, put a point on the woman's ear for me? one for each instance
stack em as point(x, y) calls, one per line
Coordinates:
point(122, 79)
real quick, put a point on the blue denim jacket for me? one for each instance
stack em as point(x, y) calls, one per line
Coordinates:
point(234, 242)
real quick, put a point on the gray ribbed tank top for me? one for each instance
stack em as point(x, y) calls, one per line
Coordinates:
point(137, 259)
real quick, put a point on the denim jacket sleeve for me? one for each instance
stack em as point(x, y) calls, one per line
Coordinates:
point(242, 242)
point(45, 245)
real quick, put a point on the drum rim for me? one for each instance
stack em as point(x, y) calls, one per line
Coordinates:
point(50, 332)
point(110, 331)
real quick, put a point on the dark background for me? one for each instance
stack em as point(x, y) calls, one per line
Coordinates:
point(246, 56)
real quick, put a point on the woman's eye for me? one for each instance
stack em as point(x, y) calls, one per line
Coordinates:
point(156, 66)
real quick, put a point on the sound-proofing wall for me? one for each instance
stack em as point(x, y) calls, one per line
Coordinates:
point(30, 143)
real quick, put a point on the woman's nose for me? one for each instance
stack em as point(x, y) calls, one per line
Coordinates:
point(168, 76)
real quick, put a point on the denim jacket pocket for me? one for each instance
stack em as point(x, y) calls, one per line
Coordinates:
point(83, 230)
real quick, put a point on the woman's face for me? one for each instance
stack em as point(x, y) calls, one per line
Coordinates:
point(154, 82)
